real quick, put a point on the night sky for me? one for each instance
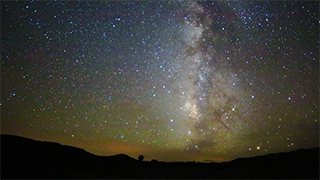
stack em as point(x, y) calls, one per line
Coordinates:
point(171, 80)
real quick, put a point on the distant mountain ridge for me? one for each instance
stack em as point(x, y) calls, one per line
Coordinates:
point(26, 158)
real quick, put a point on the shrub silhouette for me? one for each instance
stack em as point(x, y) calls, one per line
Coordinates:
point(141, 157)
point(154, 161)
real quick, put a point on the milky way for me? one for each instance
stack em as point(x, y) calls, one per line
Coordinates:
point(172, 80)
point(215, 108)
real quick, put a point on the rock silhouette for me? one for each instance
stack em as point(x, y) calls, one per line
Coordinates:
point(26, 158)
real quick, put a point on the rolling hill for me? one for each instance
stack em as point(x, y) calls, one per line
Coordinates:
point(26, 158)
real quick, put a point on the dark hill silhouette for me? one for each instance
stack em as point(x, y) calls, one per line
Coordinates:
point(26, 158)
point(121, 157)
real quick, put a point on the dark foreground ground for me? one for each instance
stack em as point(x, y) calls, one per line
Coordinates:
point(25, 158)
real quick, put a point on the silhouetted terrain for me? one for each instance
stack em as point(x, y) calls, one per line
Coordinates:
point(25, 158)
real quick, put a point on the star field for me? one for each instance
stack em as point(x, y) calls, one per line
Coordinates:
point(172, 80)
